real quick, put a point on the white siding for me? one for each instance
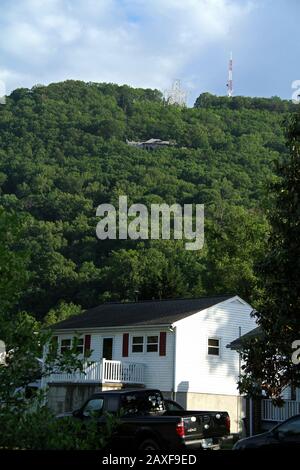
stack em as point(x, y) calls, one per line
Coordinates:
point(97, 344)
point(286, 394)
point(198, 372)
point(195, 371)
point(159, 370)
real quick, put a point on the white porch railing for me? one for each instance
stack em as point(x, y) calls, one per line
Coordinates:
point(122, 372)
point(275, 413)
point(104, 372)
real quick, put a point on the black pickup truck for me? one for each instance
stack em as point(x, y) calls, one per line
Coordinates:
point(148, 423)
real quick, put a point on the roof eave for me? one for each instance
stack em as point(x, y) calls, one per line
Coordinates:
point(121, 327)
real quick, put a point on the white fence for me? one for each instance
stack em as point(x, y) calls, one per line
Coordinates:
point(271, 412)
point(104, 372)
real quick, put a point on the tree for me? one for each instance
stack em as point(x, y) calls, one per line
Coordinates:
point(63, 152)
point(24, 340)
point(235, 242)
point(268, 357)
point(63, 311)
point(14, 272)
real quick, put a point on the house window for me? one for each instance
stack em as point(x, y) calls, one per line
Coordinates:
point(213, 347)
point(152, 343)
point(65, 345)
point(137, 344)
point(80, 345)
point(293, 392)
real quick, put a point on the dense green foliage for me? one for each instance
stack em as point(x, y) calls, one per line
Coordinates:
point(39, 429)
point(26, 423)
point(63, 152)
point(268, 358)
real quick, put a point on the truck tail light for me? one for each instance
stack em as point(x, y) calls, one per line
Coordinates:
point(227, 424)
point(180, 429)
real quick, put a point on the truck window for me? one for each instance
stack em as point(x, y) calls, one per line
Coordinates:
point(173, 406)
point(142, 403)
point(93, 407)
point(129, 404)
point(154, 402)
point(112, 404)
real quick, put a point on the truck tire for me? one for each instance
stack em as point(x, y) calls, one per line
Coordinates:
point(149, 445)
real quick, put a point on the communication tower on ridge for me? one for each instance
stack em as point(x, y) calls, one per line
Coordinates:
point(176, 95)
point(229, 82)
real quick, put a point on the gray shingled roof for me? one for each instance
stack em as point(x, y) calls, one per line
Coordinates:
point(154, 312)
point(239, 342)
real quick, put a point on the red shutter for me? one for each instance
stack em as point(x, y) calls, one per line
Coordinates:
point(87, 343)
point(162, 343)
point(125, 344)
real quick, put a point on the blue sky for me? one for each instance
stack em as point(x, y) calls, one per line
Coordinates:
point(149, 43)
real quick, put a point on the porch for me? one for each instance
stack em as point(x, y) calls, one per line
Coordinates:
point(105, 371)
point(276, 414)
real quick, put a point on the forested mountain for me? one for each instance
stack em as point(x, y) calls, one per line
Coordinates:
point(63, 152)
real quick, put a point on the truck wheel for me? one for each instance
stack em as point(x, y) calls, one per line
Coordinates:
point(148, 445)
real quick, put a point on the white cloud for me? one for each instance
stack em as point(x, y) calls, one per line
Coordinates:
point(140, 42)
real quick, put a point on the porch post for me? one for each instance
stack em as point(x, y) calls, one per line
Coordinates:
point(251, 417)
point(103, 371)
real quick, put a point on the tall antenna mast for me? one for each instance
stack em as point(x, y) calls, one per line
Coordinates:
point(230, 83)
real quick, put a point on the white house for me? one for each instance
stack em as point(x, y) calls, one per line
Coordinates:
point(178, 346)
point(151, 144)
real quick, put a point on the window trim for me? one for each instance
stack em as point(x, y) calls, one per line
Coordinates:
point(131, 344)
point(69, 338)
point(80, 346)
point(145, 337)
point(156, 343)
point(217, 338)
